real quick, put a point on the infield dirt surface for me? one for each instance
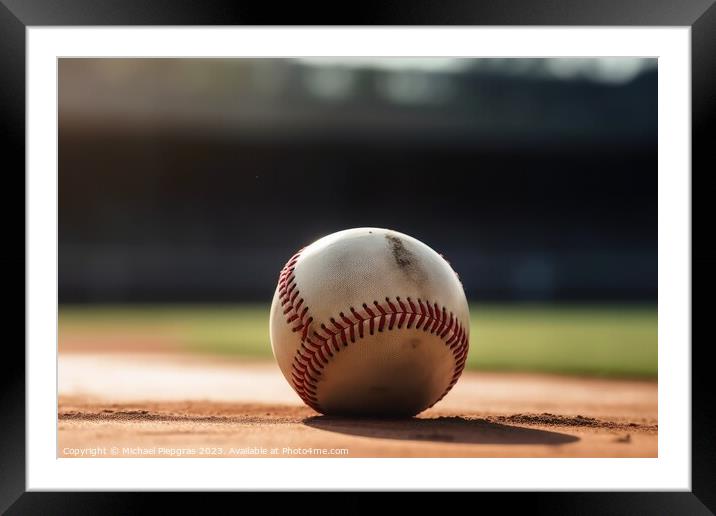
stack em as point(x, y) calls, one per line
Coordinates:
point(147, 404)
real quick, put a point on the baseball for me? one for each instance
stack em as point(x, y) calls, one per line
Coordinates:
point(369, 321)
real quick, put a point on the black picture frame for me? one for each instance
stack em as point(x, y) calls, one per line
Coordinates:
point(17, 15)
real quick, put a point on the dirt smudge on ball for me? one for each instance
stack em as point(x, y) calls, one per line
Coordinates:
point(405, 259)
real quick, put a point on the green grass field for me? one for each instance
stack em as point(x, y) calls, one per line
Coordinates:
point(608, 340)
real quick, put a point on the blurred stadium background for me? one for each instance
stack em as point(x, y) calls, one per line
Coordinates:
point(186, 184)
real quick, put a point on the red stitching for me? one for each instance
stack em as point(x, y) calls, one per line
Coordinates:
point(313, 356)
point(310, 356)
point(436, 319)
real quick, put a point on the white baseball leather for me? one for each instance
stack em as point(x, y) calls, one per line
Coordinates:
point(369, 321)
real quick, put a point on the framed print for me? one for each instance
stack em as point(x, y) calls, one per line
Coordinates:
point(447, 250)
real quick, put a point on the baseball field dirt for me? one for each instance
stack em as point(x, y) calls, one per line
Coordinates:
point(160, 404)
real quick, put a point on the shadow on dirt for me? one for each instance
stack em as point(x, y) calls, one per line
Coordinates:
point(441, 429)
